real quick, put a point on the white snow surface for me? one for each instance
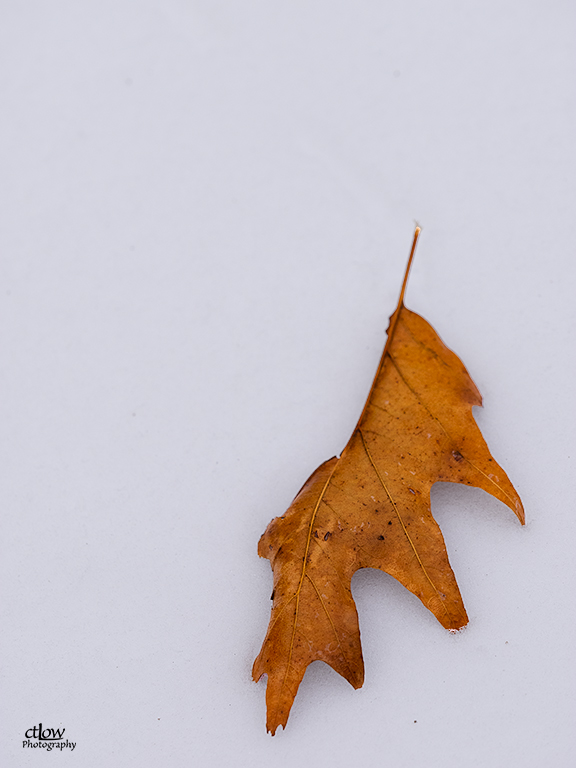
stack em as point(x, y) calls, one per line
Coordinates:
point(206, 209)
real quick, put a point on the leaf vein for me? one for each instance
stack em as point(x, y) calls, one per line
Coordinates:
point(401, 521)
point(331, 623)
point(452, 441)
point(303, 574)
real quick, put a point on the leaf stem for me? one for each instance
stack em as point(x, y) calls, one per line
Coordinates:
point(408, 266)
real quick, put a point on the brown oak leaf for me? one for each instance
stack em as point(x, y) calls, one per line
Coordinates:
point(370, 508)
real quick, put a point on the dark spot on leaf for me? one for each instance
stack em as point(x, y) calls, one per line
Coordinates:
point(389, 522)
point(327, 535)
point(272, 595)
point(316, 534)
point(381, 538)
point(457, 455)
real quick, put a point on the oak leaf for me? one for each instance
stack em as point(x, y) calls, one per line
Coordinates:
point(370, 508)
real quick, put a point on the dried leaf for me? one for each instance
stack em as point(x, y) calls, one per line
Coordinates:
point(370, 508)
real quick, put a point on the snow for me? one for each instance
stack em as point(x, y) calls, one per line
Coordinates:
point(207, 209)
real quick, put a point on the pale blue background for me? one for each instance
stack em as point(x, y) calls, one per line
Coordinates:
point(206, 209)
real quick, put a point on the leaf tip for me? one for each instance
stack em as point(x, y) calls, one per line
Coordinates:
point(456, 630)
